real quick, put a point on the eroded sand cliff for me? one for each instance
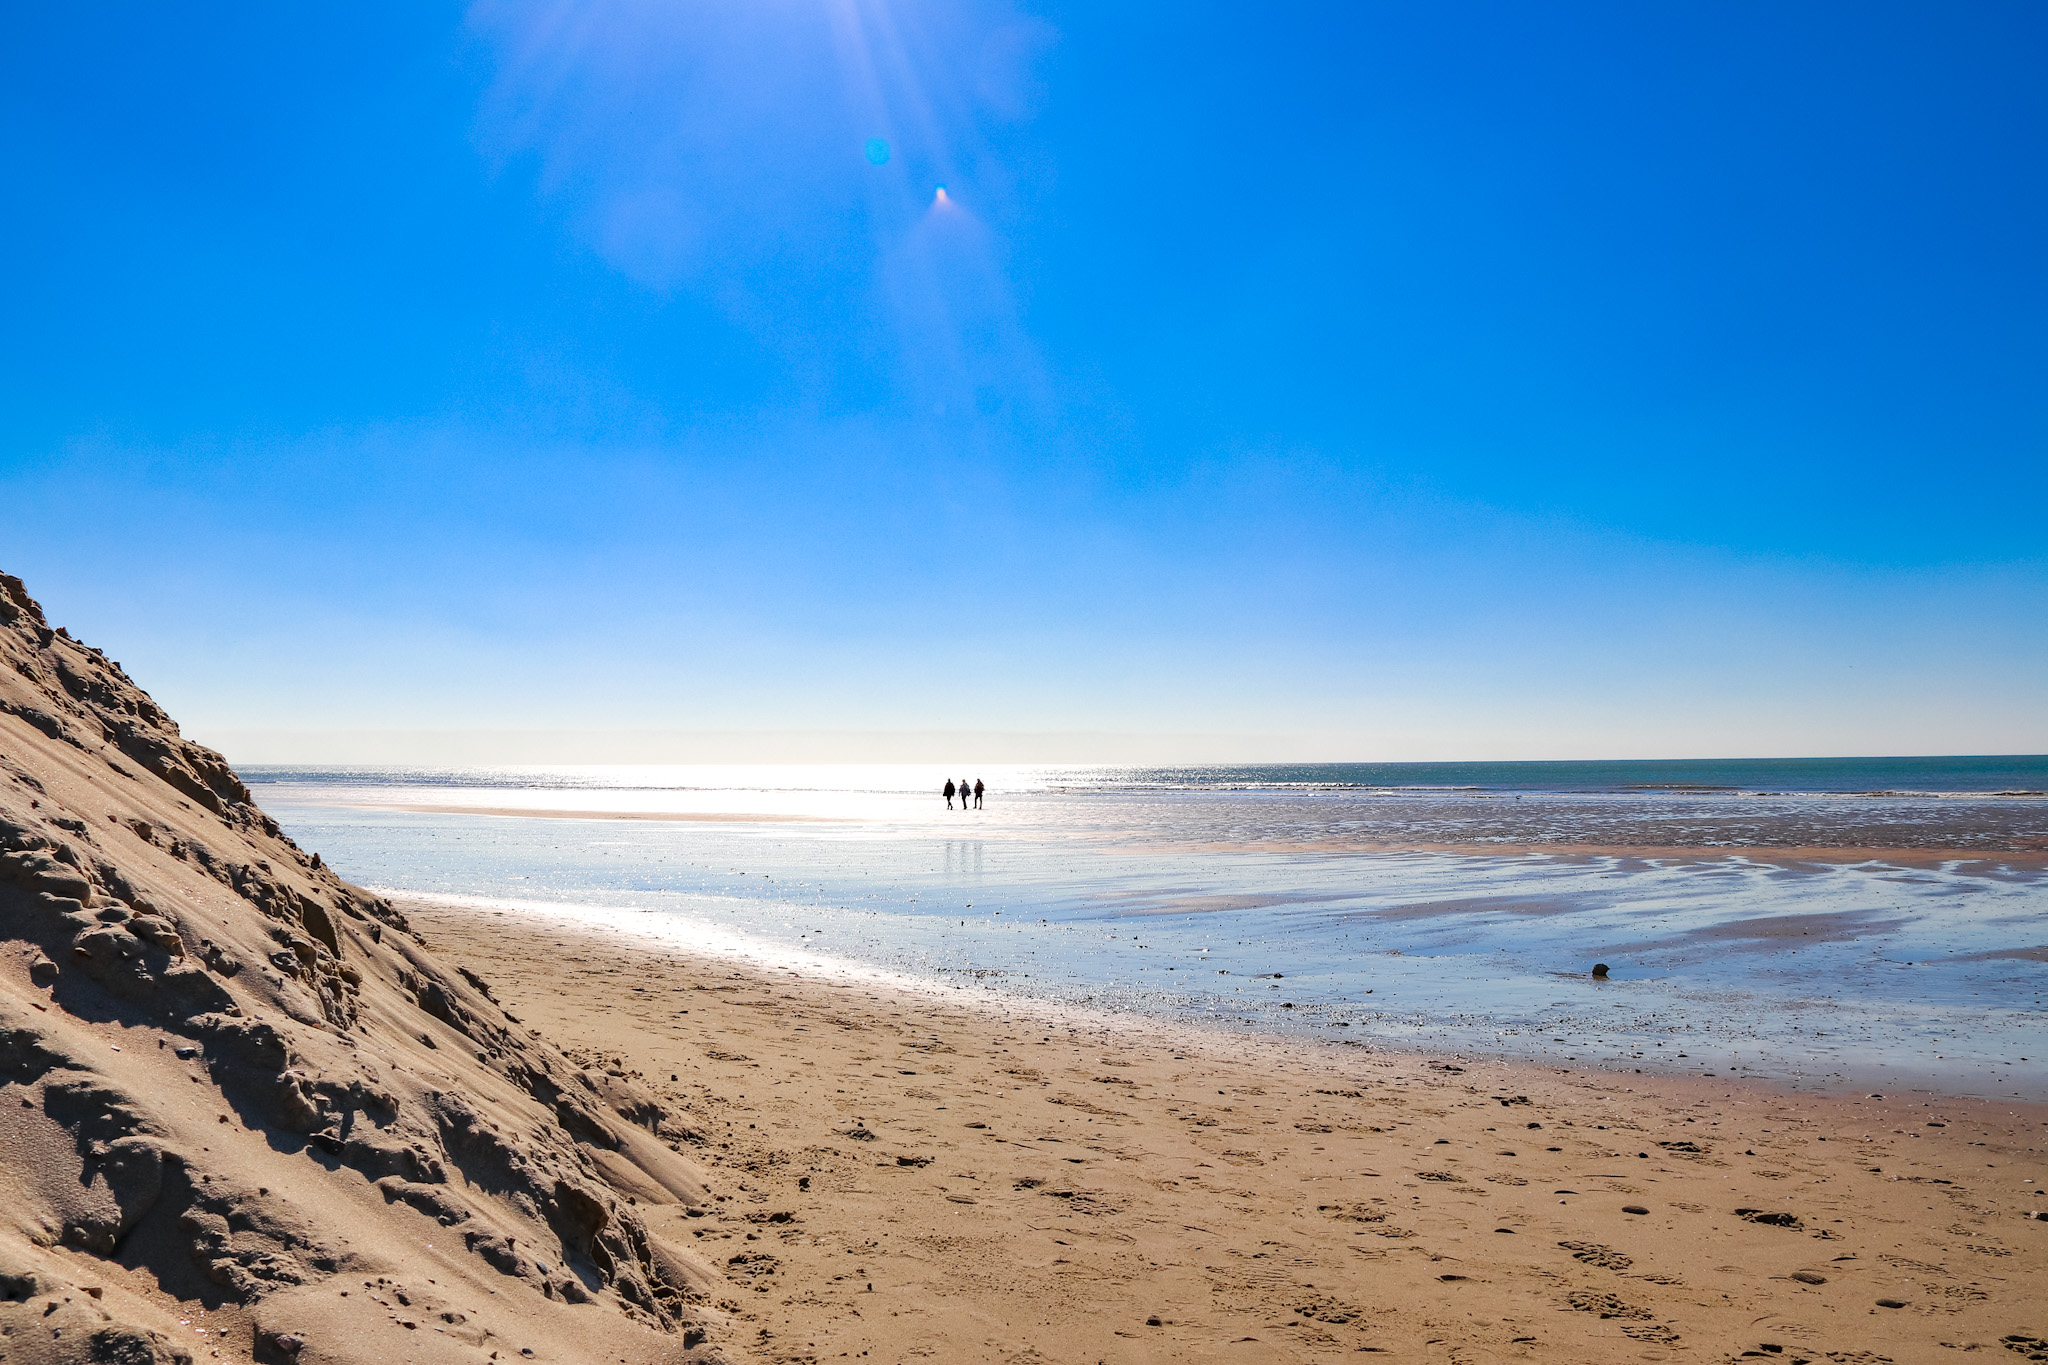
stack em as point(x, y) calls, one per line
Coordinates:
point(244, 1108)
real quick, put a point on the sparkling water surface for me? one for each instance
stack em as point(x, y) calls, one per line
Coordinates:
point(1455, 907)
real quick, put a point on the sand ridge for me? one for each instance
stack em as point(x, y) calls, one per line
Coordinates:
point(917, 1179)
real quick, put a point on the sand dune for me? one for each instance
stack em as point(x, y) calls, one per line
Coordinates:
point(246, 1112)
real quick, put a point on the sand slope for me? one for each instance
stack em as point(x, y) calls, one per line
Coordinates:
point(245, 1110)
point(917, 1179)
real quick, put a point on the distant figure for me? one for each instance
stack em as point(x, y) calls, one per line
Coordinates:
point(978, 789)
point(949, 794)
point(963, 793)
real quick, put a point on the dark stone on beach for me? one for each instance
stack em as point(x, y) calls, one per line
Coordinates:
point(1633, 1208)
point(1153, 1321)
point(1809, 1277)
point(1891, 1303)
point(1600, 969)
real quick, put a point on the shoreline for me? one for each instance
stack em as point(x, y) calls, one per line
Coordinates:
point(2031, 855)
point(521, 812)
point(1034, 1183)
point(1394, 1032)
point(992, 1005)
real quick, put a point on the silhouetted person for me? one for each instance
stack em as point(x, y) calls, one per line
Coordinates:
point(963, 793)
point(978, 789)
point(949, 794)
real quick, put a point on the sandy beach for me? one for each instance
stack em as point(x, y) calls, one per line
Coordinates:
point(1824, 941)
point(1016, 682)
point(898, 1176)
point(251, 1111)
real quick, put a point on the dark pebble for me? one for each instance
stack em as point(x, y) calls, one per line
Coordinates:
point(1633, 1208)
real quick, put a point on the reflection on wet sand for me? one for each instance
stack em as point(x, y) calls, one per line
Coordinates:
point(1895, 939)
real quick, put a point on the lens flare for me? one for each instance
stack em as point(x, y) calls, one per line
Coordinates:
point(878, 151)
point(940, 197)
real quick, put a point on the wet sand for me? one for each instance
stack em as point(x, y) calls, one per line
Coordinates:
point(2022, 854)
point(902, 1175)
point(710, 817)
point(1793, 856)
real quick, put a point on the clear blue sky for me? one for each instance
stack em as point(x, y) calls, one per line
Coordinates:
point(1351, 381)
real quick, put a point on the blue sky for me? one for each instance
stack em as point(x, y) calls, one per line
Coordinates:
point(1354, 381)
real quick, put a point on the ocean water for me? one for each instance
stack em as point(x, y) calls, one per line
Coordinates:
point(1451, 907)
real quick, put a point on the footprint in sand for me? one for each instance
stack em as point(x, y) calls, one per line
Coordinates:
point(1606, 1305)
point(1592, 1253)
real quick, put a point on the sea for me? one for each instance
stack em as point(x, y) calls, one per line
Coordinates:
point(1866, 924)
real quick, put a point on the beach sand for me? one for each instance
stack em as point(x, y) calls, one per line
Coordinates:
point(252, 1112)
point(904, 1175)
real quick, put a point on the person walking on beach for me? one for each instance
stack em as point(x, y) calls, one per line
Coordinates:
point(963, 793)
point(949, 794)
point(977, 793)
